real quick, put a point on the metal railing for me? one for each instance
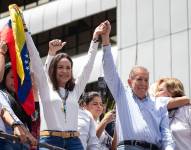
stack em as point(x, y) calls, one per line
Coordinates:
point(17, 140)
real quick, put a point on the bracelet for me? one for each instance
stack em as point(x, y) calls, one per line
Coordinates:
point(95, 40)
point(14, 124)
point(106, 45)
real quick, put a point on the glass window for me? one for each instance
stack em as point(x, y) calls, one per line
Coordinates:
point(77, 34)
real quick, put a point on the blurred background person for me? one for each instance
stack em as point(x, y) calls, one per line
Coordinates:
point(9, 118)
point(87, 129)
point(8, 98)
point(8, 88)
point(94, 104)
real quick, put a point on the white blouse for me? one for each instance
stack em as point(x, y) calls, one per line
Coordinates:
point(180, 125)
point(181, 128)
point(87, 129)
point(52, 116)
point(105, 140)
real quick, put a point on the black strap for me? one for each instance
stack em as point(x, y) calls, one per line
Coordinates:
point(16, 139)
point(65, 96)
point(139, 143)
point(64, 101)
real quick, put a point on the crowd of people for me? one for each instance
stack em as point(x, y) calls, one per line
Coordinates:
point(155, 119)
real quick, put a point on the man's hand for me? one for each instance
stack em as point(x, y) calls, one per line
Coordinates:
point(108, 28)
point(105, 35)
point(101, 29)
point(55, 45)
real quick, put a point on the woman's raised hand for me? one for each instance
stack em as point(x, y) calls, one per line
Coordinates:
point(100, 30)
point(54, 46)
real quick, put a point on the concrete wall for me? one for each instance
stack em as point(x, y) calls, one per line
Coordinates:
point(155, 34)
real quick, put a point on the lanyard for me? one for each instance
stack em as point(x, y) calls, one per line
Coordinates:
point(64, 102)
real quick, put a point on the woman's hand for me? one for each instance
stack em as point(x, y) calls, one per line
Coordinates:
point(54, 46)
point(109, 117)
point(101, 29)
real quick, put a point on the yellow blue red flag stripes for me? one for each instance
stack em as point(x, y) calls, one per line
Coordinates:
point(14, 34)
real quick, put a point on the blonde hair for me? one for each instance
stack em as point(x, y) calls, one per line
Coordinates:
point(173, 86)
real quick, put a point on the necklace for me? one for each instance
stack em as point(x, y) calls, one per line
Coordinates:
point(63, 108)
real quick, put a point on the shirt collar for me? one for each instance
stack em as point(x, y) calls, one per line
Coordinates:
point(62, 91)
point(137, 98)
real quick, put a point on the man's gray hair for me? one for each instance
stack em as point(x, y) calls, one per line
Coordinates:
point(134, 69)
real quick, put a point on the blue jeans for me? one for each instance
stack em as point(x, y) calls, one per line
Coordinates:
point(15, 146)
point(6, 144)
point(19, 146)
point(9, 145)
point(73, 143)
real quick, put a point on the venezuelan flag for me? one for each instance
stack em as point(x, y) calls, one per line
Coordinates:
point(14, 34)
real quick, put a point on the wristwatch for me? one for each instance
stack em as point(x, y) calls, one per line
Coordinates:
point(95, 40)
point(15, 123)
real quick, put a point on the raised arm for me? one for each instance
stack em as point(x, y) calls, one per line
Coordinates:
point(108, 118)
point(17, 127)
point(37, 67)
point(83, 77)
point(110, 73)
point(54, 46)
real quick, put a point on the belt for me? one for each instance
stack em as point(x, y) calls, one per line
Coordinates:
point(64, 134)
point(139, 143)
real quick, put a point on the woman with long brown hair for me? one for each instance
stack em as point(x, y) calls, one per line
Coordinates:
point(59, 93)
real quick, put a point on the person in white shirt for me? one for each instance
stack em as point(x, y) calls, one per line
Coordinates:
point(87, 129)
point(94, 104)
point(59, 92)
point(180, 118)
point(141, 121)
